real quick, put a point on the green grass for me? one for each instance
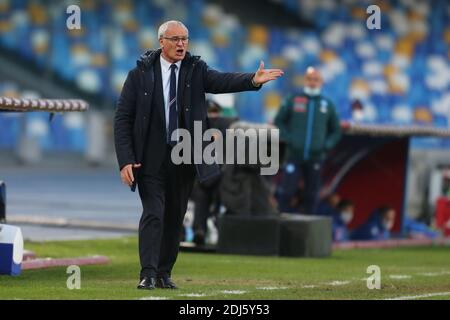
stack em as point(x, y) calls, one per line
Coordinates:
point(211, 274)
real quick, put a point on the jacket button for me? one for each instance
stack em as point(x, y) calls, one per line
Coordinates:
point(145, 93)
point(188, 85)
point(187, 108)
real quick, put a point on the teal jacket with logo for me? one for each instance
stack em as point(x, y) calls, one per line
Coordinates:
point(309, 125)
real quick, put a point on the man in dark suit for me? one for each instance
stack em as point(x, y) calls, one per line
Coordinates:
point(166, 91)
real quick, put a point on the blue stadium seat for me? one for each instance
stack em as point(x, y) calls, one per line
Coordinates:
point(147, 14)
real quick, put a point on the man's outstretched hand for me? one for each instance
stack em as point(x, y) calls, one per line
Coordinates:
point(265, 75)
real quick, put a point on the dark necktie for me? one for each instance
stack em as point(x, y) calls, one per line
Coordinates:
point(173, 112)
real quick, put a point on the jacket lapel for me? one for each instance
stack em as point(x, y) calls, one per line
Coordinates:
point(184, 87)
point(147, 80)
point(159, 93)
point(181, 84)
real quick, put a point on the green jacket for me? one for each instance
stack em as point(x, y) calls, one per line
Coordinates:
point(309, 126)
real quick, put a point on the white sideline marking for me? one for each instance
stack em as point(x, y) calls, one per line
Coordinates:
point(309, 286)
point(428, 295)
point(433, 274)
point(271, 288)
point(154, 298)
point(337, 283)
point(429, 274)
point(192, 295)
point(399, 276)
point(233, 291)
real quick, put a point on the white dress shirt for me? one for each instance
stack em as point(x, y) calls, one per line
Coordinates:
point(165, 74)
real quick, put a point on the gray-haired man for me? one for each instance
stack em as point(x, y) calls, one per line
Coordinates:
point(166, 91)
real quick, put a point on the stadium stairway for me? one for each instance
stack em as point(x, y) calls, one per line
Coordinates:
point(89, 136)
point(24, 74)
point(262, 12)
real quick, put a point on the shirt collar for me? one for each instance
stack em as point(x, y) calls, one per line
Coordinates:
point(165, 65)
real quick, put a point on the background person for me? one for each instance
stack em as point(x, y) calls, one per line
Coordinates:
point(378, 226)
point(341, 219)
point(309, 125)
point(206, 196)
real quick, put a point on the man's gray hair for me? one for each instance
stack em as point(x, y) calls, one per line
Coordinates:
point(163, 28)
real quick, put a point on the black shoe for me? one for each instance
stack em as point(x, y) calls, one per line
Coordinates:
point(199, 238)
point(147, 283)
point(165, 283)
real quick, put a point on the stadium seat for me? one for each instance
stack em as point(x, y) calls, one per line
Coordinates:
point(410, 46)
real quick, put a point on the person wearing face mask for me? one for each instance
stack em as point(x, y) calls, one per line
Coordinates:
point(377, 227)
point(327, 207)
point(341, 219)
point(310, 127)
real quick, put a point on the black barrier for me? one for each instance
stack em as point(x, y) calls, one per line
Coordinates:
point(290, 235)
point(305, 236)
point(248, 235)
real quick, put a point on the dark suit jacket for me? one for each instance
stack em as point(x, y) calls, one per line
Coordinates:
point(134, 108)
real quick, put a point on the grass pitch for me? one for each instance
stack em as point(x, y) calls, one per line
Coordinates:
point(406, 273)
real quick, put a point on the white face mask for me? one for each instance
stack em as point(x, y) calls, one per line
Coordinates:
point(346, 216)
point(388, 225)
point(358, 115)
point(311, 91)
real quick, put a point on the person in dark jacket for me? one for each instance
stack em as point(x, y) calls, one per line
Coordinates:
point(243, 190)
point(341, 219)
point(341, 213)
point(377, 227)
point(163, 93)
point(328, 206)
point(309, 125)
point(206, 196)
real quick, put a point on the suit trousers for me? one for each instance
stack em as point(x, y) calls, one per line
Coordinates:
point(164, 198)
point(308, 172)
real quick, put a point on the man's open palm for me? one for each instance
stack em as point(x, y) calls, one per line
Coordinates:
point(265, 75)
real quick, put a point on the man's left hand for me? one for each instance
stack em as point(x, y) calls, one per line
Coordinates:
point(265, 75)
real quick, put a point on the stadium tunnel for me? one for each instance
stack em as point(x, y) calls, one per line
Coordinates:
point(370, 167)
